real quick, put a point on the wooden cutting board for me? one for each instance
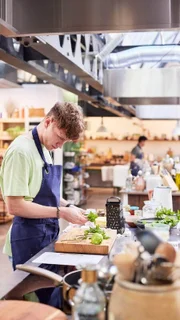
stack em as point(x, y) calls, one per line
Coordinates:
point(66, 243)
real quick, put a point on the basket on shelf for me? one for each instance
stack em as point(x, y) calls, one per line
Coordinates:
point(36, 112)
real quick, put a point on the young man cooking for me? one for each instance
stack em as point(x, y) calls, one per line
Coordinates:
point(30, 185)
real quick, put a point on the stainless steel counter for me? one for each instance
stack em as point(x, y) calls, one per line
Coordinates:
point(18, 278)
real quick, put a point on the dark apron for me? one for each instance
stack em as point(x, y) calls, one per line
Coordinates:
point(29, 236)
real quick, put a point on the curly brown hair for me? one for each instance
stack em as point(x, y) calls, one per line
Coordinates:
point(69, 116)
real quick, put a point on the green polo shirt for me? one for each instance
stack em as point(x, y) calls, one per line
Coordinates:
point(21, 172)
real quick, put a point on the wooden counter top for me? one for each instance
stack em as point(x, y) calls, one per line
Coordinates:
point(142, 193)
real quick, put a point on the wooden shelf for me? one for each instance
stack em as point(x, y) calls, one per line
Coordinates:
point(8, 123)
point(109, 140)
point(6, 138)
point(12, 120)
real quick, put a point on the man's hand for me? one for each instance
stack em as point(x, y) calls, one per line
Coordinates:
point(73, 215)
point(79, 210)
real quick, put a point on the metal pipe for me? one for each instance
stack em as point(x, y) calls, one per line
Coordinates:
point(136, 55)
point(110, 46)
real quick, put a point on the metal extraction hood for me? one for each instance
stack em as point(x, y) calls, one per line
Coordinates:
point(159, 112)
point(155, 92)
point(142, 83)
point(31, 17)
point(8, 76)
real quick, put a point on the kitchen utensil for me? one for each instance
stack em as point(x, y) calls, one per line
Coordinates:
point(73, 241)
point(148, 240)
point(150, 269)
point(167, 179)
point(163, 195)
point(167, 251)
point(71, 281)
point(114, 214)
point(125, 263)
point(164, 272)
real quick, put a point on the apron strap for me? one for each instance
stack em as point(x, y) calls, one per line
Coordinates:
point(38, 144)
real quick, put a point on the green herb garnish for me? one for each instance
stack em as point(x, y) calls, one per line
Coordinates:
point(92, 216)
point(168, 216)
point(97, 238)
point(89, 232)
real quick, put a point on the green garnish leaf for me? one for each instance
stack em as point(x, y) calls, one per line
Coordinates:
point(92, 216)
point(97, 238)
point(168, 216)
point(89, 233)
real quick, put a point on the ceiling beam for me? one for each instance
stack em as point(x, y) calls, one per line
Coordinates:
point(53, 73)
point(77, 61)
point(42, 73)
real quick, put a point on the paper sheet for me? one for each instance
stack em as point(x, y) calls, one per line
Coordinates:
point(68, 259)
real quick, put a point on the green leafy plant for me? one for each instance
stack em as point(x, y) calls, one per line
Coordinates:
point(168, 216)
point(92, 216)
point(96, 238)
point(15, 131)
point(89, 232)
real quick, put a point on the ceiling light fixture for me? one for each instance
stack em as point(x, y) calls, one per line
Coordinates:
point(176, 131)
point(102, 128)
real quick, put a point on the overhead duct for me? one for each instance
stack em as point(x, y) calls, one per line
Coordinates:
point(110, 46)
point(142, 83)
point(30, 17)
point(158, 112)
point(8, 76)
point(137, 55)
point(152, 86)
point(148, 101)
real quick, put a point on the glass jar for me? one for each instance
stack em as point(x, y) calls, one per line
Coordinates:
point(150, 208)
point(129, 182)
point(159, 229)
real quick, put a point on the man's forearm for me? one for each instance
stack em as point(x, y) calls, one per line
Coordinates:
point(19, 207)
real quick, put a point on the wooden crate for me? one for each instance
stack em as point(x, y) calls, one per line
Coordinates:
point(36, 112)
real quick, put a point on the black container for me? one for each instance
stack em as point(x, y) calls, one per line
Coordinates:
point(114, 215)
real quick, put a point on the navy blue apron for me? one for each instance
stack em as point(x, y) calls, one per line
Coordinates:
point(29, 236)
